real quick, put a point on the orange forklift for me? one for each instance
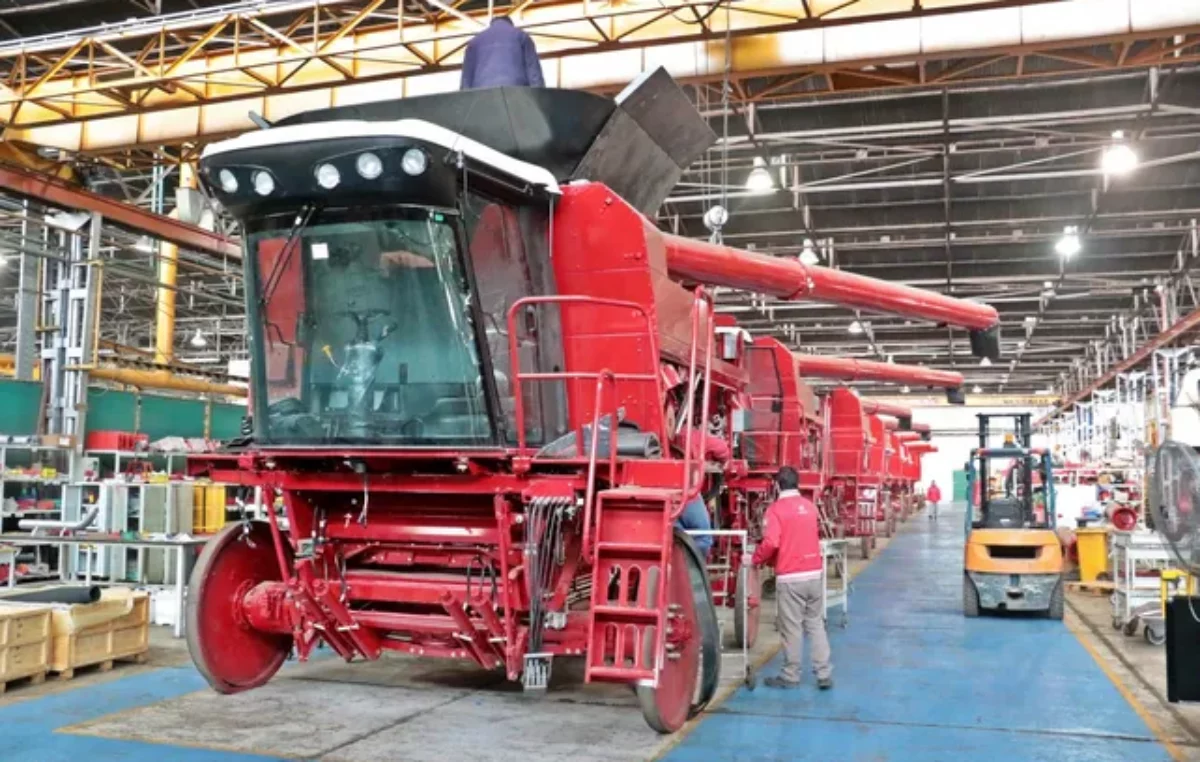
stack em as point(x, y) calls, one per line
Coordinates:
point(1013, 560)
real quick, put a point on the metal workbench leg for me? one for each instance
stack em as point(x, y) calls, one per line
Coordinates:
point(180, 587)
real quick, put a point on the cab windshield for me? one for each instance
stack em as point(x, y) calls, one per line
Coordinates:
point(364, 330)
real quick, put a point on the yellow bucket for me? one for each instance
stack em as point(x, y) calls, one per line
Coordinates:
point(1092, 545)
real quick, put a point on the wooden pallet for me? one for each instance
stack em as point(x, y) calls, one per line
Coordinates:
point(99, 666)
point(1098, 588)
point(37, 678)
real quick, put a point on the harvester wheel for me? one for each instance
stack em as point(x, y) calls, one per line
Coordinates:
point(746, 610)
point(709, 625)
point(970, 598)
point(668, 705)
point(231, 655)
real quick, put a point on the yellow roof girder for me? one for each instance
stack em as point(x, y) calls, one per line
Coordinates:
point(98, 94)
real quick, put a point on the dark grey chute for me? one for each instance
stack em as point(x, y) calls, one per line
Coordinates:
point(61, 594)
point(638, 144)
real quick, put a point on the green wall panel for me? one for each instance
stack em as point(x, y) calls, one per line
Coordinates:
point(19, 402)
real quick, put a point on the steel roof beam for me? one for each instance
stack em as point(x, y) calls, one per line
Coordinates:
point(231, 65)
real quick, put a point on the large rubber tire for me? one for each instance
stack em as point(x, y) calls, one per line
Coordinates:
point(686, 684)
point(970, 598)
point(1154, 637)
point(746, 633)
point(710, 627)
point(1057, 603)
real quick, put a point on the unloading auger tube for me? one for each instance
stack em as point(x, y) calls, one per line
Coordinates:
point(715, 265)
point(851, 369)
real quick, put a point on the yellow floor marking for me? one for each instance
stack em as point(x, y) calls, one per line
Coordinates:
point(1148, 718)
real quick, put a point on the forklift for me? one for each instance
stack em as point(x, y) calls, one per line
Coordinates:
point(1013, 560)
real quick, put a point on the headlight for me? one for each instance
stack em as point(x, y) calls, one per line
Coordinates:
point(328, 176)
point(414, 161)
point(228, 181)
point(264, 184)
point(369, 166)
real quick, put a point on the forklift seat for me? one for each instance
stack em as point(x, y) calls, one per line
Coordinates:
point(1003, 513)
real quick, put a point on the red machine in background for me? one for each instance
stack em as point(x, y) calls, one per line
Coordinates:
point(479, 391)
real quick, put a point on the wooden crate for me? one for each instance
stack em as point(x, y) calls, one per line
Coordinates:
point(115, 628)
point(24, 643)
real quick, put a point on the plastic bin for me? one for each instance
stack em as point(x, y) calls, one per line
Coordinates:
point(1092, 546)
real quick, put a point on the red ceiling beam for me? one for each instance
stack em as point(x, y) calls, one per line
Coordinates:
point(54, 192)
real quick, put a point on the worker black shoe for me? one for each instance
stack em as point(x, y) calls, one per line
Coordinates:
point(779, 682)
point(825, 683)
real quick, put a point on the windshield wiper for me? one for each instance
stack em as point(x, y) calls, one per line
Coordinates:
point(307, 212)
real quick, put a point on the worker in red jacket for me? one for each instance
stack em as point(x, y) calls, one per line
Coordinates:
point(695, 516)
point(792, 544)
point(933, 496)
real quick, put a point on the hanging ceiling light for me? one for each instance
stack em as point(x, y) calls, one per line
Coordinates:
point(807, 255)
point(1118, 159)
point(856, 328)
point(905, 390)
point(198, 341)
point(976, 389)
point(985, 362)
point(1069, 245)
point(759, 180)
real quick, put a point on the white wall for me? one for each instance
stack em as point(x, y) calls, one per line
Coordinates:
point(955, 433)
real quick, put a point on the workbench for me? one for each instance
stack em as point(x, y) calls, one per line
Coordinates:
point(183, 558)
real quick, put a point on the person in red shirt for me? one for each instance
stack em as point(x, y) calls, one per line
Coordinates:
point(792, 544)
point(695, 516)
point(933, 496)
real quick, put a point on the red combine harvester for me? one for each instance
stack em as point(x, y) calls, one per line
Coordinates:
point(480, 376)
point(784, 426)
point(858, 487)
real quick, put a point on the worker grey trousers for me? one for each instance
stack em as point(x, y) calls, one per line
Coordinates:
point(800, 613)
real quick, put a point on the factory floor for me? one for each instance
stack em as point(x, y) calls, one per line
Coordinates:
point(915, 681)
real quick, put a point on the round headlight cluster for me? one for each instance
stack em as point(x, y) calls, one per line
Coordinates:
point(369, 166)
point(414, 161)
point(264, 184)
point(228, 180)
point(328, 176)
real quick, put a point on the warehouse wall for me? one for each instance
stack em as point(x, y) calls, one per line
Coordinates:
point(954, 433)
point(110, 409)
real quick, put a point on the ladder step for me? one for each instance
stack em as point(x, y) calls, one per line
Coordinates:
point(629, 548)
point(620, 674)
point(624, 613)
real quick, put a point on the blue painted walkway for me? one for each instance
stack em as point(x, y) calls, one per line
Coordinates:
point(917, 682)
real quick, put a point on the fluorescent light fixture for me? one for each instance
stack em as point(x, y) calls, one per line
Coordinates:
point(1069, 245)
point(1118, 159)
point(759, 180)
point(69, 221)
point(807, 255)
point(1044, 391)
point(146, 244)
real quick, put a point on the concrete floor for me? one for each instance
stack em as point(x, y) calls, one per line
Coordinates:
point(915, 681)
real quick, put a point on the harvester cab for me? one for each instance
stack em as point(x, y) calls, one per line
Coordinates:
point(1013, 559)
